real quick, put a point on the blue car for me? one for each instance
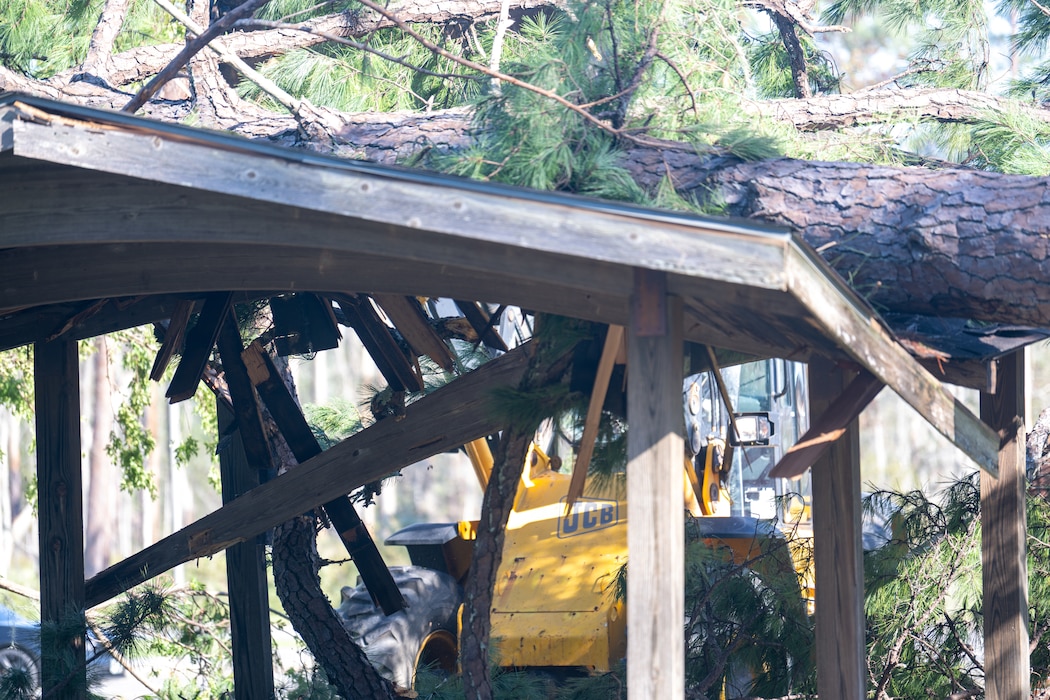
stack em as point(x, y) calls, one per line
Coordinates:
point(20, 647)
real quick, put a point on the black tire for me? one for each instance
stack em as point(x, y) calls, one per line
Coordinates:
point(423, 634)
point(14, 657)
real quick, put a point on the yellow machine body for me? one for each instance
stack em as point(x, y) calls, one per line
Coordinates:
point(555, 602)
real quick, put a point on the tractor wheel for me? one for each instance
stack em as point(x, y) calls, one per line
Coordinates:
point(17, 660)
point(421, 635)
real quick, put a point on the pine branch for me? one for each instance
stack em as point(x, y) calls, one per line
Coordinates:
point(502, 25)
point(944, 105)
point(109, 648)
point(191, 49)
point(497, 75)
point(138, 64)
point(104, 35)
point(317, 127)
point(785, 25)
point(685, 83)
point(796, 14)
point(335, 39)
point(636, 80)
point(1045, 10)
point(18, 589)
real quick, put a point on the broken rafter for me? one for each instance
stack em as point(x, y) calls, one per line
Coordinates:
point(242, 398)
point(380, 344)
point(613, 344)
point(412, 323)
point(481, 321)
point(173, 336)
point(199, 343)
point(291, 422)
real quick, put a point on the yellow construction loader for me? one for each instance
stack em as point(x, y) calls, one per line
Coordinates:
point(555, 603)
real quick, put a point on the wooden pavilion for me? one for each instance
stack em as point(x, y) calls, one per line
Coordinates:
point(109, 221)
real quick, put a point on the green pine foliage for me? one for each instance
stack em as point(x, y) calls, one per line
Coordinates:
point(147, 24)
point(746, 622)
point(769, 65)
point(354, 80)
point(334, 421)
point(524, 139)
point(555, 336)
point(1011, 143)
point(923, 593)
point(43, 37)
point(1030, 41)
point(1038, 512)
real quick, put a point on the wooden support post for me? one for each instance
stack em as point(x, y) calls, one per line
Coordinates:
point(655, 511)
point(60, 506)
point(1003, 534)
point(246, 579)
point(837, 554)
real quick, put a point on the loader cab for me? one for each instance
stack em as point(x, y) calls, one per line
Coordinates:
point(769, 399)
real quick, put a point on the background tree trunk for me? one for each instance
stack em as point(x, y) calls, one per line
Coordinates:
point(100, 538)
point(549, 363)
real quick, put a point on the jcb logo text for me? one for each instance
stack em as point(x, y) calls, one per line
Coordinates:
point(588, 515)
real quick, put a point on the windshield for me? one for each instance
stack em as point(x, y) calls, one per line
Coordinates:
point(775, 387)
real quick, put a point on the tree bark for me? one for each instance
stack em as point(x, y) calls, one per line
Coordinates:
point(796, 56)
point(947, 105)
point(951, 242)
point(295, 559)
point(295, 573)
point(488, 553)
point(100, 48)
point(295, 567)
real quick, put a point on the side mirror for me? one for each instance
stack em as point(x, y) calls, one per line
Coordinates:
point(751, 429)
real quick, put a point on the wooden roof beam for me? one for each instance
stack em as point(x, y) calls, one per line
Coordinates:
point(380, 344)
point(861, 335)
point(478, 317)
point(173, 336)
point(829, 427)
point(414, 218)
point(408, 318)
point(449, 417)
